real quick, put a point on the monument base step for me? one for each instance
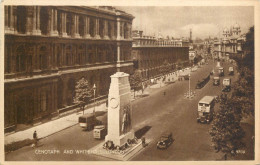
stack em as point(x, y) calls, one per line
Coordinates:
point(119, 155)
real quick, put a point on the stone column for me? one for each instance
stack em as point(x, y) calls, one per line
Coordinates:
point(53, 31)
point(112, 30)
point(29, 20)
point(63, 25)
point(86, 28)
point(6, 18)
point(11, 19)
point(105, 29)
point(118, 29)
point(38, 28)
point(97, 36)
point(34, 30)
point(76, 26)
point(15, 18)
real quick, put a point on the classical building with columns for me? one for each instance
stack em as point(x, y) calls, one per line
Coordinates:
point(230, 44)
point(49, 48)
point(150, 54)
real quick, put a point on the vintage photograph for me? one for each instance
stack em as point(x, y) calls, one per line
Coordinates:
point(129, 83)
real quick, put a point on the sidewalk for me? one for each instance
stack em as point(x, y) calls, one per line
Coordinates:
point(51, 127)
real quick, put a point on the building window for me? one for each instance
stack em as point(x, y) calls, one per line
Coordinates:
point(43, 58)
point(21, 19)
point(101, 28)
point(91, 27)
point(43, 101)
point(69, 24)
point(109, 30)
point(81, 26)
point(44, 17)
point(20, 59)
point(125, 31)
point(59, 22)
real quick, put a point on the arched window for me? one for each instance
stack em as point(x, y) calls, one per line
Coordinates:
point(81, 26)
point(20, 59)
point(43, 57)
point(71, 91)
point(68, 55)
point(44, 17)
point(21, 19)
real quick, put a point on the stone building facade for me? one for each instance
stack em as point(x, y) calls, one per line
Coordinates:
point(230, 44)
point(150, 54)
point(49, 48)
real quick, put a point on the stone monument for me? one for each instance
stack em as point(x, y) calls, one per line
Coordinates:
point(119, 110)
point(218, 64)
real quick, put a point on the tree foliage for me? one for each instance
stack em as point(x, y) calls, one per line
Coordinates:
point(243, 94)
point(136, 80)
point(165, 68)
point(83, 92)
point(226, 132)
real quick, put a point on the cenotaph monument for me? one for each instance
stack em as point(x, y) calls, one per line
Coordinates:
point(218, 64)
point(119, 110)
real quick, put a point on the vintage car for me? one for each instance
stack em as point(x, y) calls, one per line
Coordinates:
point(221, 71)
point(226, 85)
point(216, 81)
point(231, 70)
point(165, 140)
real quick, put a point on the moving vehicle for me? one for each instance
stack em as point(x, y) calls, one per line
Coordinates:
point(216, 81)
point(201, 84)
point(87, 121)
point(226, 85)
point(165, 140)
point(221, 71)
point(206, 109)
point(99, 132)
point(231, 70)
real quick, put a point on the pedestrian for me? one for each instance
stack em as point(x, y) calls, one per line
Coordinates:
point(35, 138)
point(164, 93)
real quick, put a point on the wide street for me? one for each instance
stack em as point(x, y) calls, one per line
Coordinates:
point(152, 115)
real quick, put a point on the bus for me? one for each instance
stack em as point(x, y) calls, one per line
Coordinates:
point(87, 121)
point(206, 109)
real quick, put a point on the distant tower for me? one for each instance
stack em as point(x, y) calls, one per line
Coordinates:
point(190, 35)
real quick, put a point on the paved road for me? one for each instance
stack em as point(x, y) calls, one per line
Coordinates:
point(153, 114)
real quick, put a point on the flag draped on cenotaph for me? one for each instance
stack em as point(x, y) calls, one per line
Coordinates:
point(119, 110)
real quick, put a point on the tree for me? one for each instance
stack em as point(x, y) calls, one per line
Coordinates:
point(244, 93)
point(136, 81)
point(83, 93)
point(226, 132)
point(165, 68)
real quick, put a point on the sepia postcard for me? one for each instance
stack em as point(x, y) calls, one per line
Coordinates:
point(172, 82)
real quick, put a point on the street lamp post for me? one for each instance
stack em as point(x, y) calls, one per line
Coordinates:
point(189, 86)
point(94, 88)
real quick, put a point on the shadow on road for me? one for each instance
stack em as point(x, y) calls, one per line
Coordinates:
point(139, 133)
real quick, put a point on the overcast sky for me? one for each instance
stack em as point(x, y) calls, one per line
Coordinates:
point(176, 21)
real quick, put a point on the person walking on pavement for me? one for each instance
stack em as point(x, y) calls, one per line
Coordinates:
point(35, 138)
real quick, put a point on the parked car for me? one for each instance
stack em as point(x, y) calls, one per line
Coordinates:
point(165, 140)
point(226, 85)
point(231, 70)
point(221, 71)
point(216, 81)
